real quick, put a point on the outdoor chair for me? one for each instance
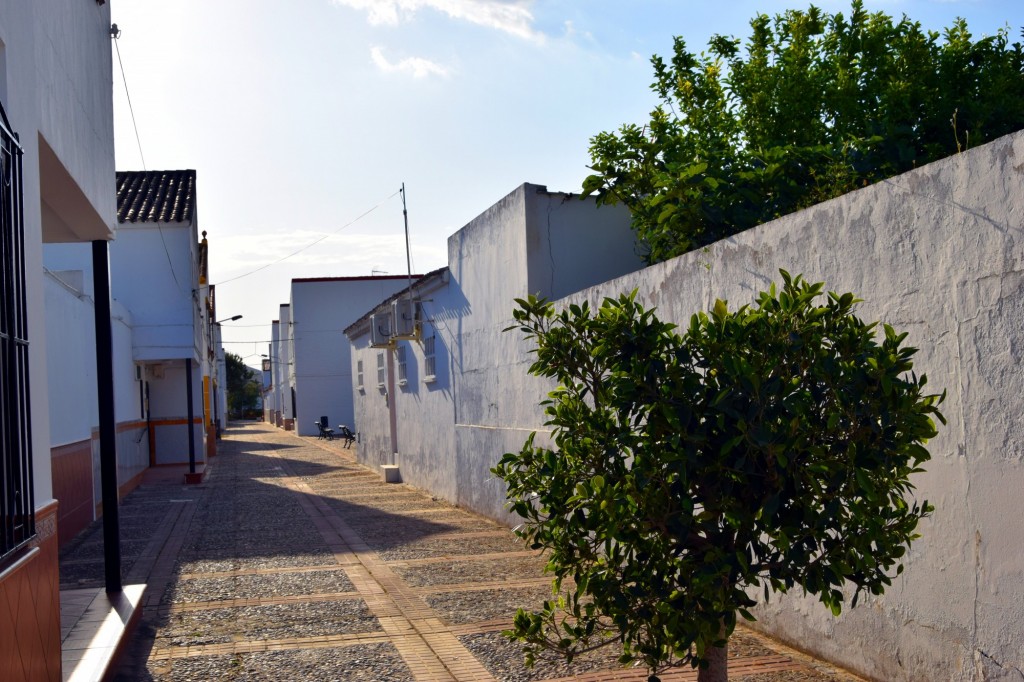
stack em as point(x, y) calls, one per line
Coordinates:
point(325, 433)
point(347, 435)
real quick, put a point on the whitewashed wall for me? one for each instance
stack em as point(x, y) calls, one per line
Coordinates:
point(320, 309)
point(56, 89)
point(424, 405)
point(271, 401)
point(157, 285)
point(71, 361)
point(282, 363)
point(447, 428)
point(70, 358)
point(939, 253)
point(168, 402)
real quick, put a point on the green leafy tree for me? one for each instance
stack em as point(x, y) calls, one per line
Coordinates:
point(243, 385)
point(813, 106)
point(762, 449)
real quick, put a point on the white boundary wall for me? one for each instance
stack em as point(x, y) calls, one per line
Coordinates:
point(937, 252)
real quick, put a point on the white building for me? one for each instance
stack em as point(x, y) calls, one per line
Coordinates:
point(446, 404)
point(156, 271)
point(58, 186)
point(161, 314)
point(321, 370)
point(271, 404)
point(936, 252)
point(283, 396)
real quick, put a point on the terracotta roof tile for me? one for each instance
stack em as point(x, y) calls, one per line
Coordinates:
point(156, 196)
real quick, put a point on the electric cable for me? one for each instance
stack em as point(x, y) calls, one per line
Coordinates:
point(115, 35)
point(314, 242)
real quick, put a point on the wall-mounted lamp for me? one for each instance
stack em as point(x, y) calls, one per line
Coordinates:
point(229, 319)
point(115, 32)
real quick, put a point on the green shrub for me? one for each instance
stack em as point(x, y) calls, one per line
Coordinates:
point(761, 449)
point(813, 106)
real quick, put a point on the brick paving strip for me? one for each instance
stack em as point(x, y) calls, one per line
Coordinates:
point(427, 584)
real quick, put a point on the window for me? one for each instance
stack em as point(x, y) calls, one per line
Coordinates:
point(359, 374)
point(381, 372)
point(403, 367)
point(429, 359)
point(17, 506)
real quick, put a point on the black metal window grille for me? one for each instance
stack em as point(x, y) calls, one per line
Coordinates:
point(17, 515)
point(429, 359)
point(403, 366)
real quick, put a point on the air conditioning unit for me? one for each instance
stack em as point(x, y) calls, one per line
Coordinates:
point(380, 330)
point(405, 320)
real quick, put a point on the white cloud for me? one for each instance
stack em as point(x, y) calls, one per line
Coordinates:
point(511, 16)
point(336, 255)
point(418, 67)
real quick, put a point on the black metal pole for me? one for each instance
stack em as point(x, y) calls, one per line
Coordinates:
point(191, 431)
point(108, 425)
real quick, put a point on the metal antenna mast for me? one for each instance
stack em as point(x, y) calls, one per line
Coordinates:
point(408, 257)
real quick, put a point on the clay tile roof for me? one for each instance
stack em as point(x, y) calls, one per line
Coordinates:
point(156, 196)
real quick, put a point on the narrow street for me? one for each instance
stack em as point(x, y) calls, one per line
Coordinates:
point(292, 562)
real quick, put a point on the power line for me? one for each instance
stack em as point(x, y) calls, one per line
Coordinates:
point(115, 33)
point(314, 242)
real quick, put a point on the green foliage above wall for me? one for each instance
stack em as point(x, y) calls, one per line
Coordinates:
point(812, 106)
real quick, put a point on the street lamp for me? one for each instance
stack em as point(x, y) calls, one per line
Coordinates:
point(229, 319)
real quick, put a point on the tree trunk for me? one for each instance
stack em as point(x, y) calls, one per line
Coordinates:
point(718, 666)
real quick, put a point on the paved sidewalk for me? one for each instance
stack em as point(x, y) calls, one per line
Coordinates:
point(292, 562)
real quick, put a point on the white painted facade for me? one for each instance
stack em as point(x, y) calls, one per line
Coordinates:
point(937, 252)
point(320, 309)
point(158, 290)
point(71, 365)
point(154, 272)
point(56, 90)
point(532, 241)
point(271, 403)
point(281, 363)
point(55, 86)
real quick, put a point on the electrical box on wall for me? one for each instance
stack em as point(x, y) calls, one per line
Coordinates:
point(405, 322)
point(380, 330)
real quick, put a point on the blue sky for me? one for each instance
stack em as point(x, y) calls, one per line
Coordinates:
point(301, 116)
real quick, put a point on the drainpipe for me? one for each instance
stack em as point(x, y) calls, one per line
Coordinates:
point(191, 431)
point(108, 427)
point(392, 406)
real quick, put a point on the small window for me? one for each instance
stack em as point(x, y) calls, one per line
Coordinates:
point(359, 374)
point(381, 371)
point(429, 359)
point(403, 367)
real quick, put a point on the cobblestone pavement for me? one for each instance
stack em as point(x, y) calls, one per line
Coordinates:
point(292, 562)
